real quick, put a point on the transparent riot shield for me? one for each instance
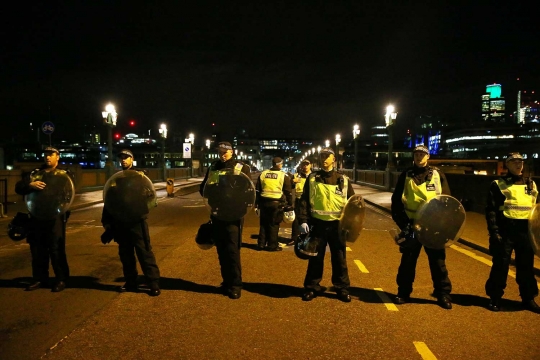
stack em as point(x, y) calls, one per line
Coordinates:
point(129, 196)
point(534, 229)
point(440, 222)
point(227, 195)
point(55, 199)
point(352, 219)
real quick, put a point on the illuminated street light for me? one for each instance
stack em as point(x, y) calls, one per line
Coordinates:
point(327, 143)
point(338, 140)
point(356, 133)
point(390, 118)
point(163, 132)
point(109, 117)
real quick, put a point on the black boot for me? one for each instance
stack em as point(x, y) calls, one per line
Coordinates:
point(495, 304)
point(531, 305)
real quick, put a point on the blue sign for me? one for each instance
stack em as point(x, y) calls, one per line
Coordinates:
point(47, 127)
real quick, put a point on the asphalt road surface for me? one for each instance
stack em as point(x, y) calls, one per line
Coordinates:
point(192, 320)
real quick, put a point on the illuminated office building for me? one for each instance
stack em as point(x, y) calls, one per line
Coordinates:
point(493, 104)
point(528, 107)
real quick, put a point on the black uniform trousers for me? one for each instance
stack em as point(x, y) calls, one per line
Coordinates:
point(327, 233)
point(516, 240)
point(47, 240)
point(269, 223)
point(295, 232)
point(437, 266)
point(228, 238)
point(134, 239)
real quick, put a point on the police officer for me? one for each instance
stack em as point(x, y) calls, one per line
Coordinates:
point(273, 193)
point(299, 180)
point(320, 206)
point(227, 235)
point(510, 200)
point(132, 237)
point(47, 238)
point(415, 186)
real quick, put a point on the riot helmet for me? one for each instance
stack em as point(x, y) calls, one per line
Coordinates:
point(306, 246)
point(288, 215)
point(18, 227)
point(204, 236)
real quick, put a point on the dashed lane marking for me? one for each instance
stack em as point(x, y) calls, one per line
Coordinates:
point(424, 351)
point(511, 273)
point(348, 249)
point(386, 300)
point(361, 266)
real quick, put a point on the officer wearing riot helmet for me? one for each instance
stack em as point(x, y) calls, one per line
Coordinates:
point(415, 186)
point(298, 181)
point(319, 208)
point(273, 194)
point(227, 235)
point(47, 238)
point(510, 200)
point(132, 238)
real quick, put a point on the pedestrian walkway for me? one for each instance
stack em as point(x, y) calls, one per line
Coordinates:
point(475, 234)
point(89, 198)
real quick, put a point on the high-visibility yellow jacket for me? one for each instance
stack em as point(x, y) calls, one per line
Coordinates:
point(415, 195)
point(519, 199)
point(272, 184)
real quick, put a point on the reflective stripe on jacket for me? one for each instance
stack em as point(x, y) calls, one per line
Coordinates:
point(327, 201)
point(519, 202)
point(416, 195)
point(272, 184)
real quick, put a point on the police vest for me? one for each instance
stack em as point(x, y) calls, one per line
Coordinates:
point(416, 195)
point(272, 184)
point(213, 175)
point(327, 201)
point(519, 200)
point(299, 186)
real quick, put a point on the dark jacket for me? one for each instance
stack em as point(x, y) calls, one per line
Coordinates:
point(331, 177)
point(420, 175)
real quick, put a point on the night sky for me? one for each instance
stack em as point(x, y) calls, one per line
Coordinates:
point(291, 69)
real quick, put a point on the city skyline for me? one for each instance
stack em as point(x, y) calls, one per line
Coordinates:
point(298, 69)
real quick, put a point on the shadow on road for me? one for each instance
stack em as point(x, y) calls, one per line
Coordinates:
point(180, 284)
point(273, 290)
point(74, 282)
point(474, 300)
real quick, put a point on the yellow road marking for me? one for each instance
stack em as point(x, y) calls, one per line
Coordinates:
point(348, 249)
point(424, 351)
point(361, 266)
point(386, 300)
point(511, 273)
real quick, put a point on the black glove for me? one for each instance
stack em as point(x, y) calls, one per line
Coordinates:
point(107, 236)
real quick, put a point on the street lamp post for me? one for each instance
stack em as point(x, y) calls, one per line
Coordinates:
point(338, 140)
point(191, 139)
point(207, 142)
point(163, 132)
point(356, 133)
point(109, 117)
point(390, 118)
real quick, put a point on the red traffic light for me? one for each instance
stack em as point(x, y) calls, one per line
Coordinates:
point(132, 122)
point(117, 136)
